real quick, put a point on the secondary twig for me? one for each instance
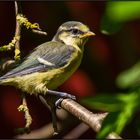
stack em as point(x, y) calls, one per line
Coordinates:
point(24, 108)
point(33, 26)
point(16, 39)
point(39, 32)
point(92, 120)
point(17, 34)
point(15, 43)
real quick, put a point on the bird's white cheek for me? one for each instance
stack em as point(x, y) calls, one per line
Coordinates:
point(67, 40)
point(70, 41)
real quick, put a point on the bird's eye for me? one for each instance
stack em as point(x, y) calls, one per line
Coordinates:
point(74, 31)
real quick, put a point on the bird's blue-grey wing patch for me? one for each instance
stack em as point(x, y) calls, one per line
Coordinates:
point(45, 57)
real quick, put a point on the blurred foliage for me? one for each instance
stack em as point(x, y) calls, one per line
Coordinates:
point(122, 107)
point(117, 13)
point(129, 78)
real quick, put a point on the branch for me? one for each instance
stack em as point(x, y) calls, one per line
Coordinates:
point(75, 133)
point(43, 132)
point(92, 120)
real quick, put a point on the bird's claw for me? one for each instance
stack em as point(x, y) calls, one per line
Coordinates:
point(60, 96)
point(72, 97)
point(58, 102)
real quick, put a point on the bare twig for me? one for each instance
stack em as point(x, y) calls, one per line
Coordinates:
point(17, 34)
point(92, 120)
point(39, 32)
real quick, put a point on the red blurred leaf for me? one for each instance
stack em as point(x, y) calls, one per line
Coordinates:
point(100, 50)
point(79, 84)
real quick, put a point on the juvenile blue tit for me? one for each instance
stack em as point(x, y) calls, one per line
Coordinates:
point(50, 64)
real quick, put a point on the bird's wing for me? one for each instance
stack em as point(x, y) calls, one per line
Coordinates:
point(45, 57)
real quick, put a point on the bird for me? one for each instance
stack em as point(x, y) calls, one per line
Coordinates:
point(50, 64)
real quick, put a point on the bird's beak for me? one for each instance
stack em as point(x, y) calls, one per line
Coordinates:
point(87, 34)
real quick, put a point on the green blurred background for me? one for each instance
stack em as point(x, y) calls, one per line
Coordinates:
point(115, 48)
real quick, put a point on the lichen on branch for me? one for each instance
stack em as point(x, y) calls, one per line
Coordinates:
point(11, 45)
point(33, 26)
point(24, 108)
point(24, 21)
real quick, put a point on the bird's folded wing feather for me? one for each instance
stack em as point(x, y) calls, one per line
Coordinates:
point(45, 57)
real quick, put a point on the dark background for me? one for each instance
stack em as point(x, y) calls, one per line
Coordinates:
point(104, 58)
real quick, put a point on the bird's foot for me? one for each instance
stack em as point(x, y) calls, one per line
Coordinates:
point(62, 96)
point(58, 103)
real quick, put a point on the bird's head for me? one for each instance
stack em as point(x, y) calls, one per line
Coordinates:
point(73, 33)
